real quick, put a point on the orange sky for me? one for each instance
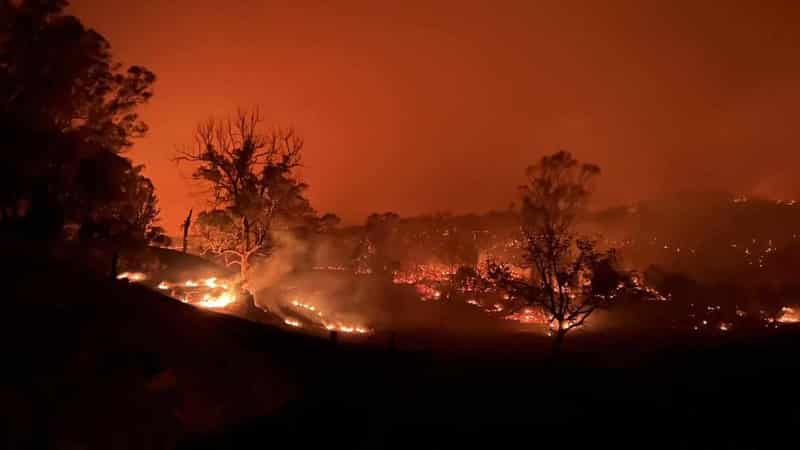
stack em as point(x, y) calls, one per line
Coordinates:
point(423, 106)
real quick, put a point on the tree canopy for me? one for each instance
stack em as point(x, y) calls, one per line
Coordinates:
point(250, 178)
point(569, 276)
point(67, 108)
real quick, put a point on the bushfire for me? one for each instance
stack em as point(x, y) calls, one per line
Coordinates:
point(788, 315)
point(316, 316)
point(434, 283)
point(206, 293)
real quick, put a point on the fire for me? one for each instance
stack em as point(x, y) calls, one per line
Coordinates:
point(424, 272)
point(529, 316)
point(564, 324)
point(788, 315)
point(329, 325)
point(428, 293)
point(347, 328)
point(215, 294)
point(132, 276)
point(292, 322)
point(220, 301)
point(306, 306)
point(212, 283)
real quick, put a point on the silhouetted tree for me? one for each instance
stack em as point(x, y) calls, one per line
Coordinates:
point(328, 222)
point(250, 175)
point(186, 224)
point(63, 100)
point(374, 252)
point(116, 201)
point(570, 278)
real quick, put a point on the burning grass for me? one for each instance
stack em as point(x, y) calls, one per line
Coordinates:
point(211, 292)
point(328, 321)
point(788, 315)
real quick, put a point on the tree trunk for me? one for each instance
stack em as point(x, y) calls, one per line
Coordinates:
point(246, 234)
point(245, 248)
point(558, 341)
point(243, 266)
point(186, 225)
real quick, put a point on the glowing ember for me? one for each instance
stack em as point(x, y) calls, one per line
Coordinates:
point(292, 322)
point(212, 283)
point(788, 315)
point(220, 301)
point(305, 306)
point(207, 293)
point(424, 272)
point(132, 276)
point(725, 326)
point(347, 328)
point(564, 325)
point(428, 293)
point(330, 326)
point(529, 316)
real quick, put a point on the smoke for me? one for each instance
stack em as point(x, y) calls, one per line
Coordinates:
point(782, 185)
point(288, 278)
point(301, 273)
point(285, 259)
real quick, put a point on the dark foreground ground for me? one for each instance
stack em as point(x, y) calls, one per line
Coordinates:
point(93, 363)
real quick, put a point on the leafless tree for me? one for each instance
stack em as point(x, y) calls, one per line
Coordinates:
point(250, 176)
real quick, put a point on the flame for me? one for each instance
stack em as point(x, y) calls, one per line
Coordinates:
point(529, 316)
point(347, 328)
point(424, 272)
point(212, 283)
point(215, 295)
point(132, 276)
point(564, 324)
point(788, 315)
point(428, 293)
point(220, 301)
point(292, 322)
point(329, 325)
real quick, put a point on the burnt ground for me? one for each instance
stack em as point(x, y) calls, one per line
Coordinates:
point(92, 362)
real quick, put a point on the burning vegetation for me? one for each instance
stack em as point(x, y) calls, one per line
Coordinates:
point(210, 292)
point(549, 266)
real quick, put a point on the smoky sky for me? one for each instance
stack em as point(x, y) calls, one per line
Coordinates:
point(438, 106)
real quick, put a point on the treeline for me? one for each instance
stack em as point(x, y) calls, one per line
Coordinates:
point(68, 112)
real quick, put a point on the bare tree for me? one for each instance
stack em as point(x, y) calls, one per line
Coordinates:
point(569, 277)
point(250, 176)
